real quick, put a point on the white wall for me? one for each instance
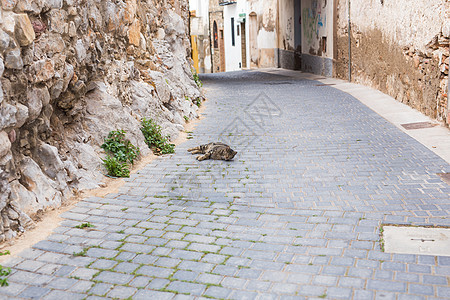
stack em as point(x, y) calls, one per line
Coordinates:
point(200, 27)
point(233, 54)
point(201, 8)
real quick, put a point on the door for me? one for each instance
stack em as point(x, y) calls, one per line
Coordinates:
point(222, 51)
point(243, 46)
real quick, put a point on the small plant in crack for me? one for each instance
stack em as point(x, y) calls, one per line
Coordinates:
point(4, 273)
point(382, 241)
point(84, 225)
point(82, 252)
point(197, 80)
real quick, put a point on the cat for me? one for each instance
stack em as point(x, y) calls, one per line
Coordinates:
point(213, 151)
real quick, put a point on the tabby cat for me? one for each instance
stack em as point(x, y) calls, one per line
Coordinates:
point(213, 151)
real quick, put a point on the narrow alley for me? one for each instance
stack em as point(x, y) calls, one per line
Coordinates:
point(297, 214)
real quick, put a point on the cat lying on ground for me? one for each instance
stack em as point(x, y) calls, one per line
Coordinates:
point(213, 151)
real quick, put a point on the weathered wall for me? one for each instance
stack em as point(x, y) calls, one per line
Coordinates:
point(288, 19)
point(262, 24)
point(71, 71)
point(401, 48)
point(317, 36)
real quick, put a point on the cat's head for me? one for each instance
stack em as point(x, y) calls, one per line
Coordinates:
point(230, 154)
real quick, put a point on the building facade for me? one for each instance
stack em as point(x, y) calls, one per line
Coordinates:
point(199, 32)
point(217, 36)
point(384, 44)
point(292, 34)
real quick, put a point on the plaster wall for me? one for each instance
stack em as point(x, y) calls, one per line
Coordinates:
point(286, 25)
point(263, 41)
point(317, 24)
point(403, 22)
point(399, 47)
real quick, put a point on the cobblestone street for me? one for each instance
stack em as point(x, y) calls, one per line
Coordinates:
point(297, 214)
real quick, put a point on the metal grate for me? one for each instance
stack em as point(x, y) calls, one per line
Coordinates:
point(418, 125)
point(326, 84)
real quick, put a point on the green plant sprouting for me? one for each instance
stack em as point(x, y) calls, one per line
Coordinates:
point(121, 152)
point(122, 148)
point(116, 167)
point(158, 143)
point(4, 273)
point(197, 78)
point(84, 225)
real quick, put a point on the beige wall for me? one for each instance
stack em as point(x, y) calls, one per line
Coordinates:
point(286, 25)
point(403, 22)
point(401, 48)
point(262, 32)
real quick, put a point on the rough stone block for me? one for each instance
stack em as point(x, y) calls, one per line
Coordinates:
point(5, 144)
point(134, 33)
point(13, 59)
point(24, 31)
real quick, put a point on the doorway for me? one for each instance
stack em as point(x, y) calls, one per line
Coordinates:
point(222, 51)
point(244, 45)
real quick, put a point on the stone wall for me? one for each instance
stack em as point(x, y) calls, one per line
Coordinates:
point(218, 53)
point(399, 47)
point(71, 71)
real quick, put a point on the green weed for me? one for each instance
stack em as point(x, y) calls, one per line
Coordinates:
point(197, 79)
point(84, 225)
point(120, 152)
point(115, 167)
point(4, 273)
point(120, 147)
point(154, 138)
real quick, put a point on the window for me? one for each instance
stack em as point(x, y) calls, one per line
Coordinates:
point(233, 40)
point(215, 36)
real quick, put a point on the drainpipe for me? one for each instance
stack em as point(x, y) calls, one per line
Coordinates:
point(349, 45)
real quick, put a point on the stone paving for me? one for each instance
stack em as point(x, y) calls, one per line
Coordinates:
point(297, 214)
